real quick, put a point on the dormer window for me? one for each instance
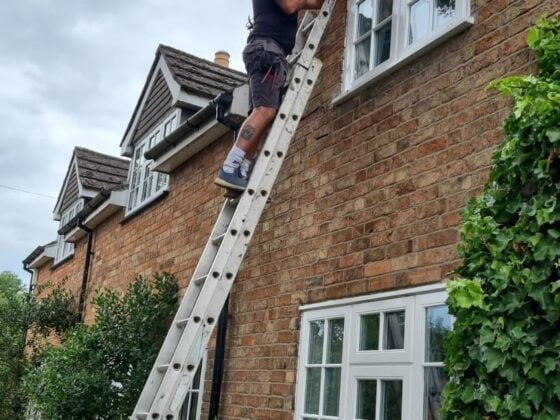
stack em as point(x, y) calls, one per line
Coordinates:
point(146, 185)
point(66, 249)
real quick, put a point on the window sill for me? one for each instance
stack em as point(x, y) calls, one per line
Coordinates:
point(138, 210)
point(62, 261)
point(411, 54)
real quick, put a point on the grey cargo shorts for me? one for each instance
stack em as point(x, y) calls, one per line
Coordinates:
point(267, 70)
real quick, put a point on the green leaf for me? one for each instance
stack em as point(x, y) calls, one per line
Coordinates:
point(553, 134)
point(494, 359)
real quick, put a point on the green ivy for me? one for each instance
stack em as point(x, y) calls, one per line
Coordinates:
point(98, 371)
point(503, 355)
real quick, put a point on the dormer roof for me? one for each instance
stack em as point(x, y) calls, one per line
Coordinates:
point(88, 173)
point(177, 79)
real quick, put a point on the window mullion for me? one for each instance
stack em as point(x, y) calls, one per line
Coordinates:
point(378, 400)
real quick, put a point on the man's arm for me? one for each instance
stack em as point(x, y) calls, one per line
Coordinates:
point(292, 6)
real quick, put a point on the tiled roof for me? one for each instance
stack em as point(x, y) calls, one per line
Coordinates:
point(98, 171)
point(200, 76)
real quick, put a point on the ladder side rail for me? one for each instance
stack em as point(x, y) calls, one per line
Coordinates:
point(183, 312)
point(209, 305)
point(308, 17)
point(304, 56)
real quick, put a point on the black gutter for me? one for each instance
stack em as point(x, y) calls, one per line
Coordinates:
point(88, 209)
point(85, 276)
point(222, 104)
point(26, 268)
point(219, 355)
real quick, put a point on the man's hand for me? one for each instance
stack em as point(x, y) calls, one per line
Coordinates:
point(292, 6)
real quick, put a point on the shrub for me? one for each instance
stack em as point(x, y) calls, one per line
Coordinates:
point(98, 371)
point(20, 312)
point(502, 356)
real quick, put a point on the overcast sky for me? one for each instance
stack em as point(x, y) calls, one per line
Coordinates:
point(71, 72)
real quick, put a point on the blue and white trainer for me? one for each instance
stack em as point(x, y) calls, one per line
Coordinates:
point(233, 181)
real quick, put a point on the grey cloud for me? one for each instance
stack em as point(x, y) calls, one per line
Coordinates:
point(72, 71)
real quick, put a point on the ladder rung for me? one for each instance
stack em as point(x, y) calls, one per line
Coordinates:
point(295, 57)
point(218, 239)
point(163, 368)
point(182, 322)
point(200, 281)
point(309, 26)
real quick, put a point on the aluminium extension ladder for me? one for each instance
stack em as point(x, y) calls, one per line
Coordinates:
point(182, 351)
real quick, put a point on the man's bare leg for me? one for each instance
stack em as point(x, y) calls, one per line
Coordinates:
point(242, 153)
point(253, 129)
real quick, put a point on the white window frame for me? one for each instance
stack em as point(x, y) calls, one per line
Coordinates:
point(401, 51)
point(407, 364)
point(140, 171)
point(187, 404)
point(66, 249)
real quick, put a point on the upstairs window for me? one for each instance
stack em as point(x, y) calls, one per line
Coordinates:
point(145, 185)
point(384, 33)
point(65, 249)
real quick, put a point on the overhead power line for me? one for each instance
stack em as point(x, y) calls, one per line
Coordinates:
point(27, 192)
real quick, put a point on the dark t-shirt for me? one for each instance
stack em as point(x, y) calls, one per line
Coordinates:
point(270, 21)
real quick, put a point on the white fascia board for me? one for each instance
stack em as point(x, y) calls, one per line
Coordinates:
point(87, 193)
point(114, 203)
point(190, 99)
point(204, 136)
point(57, 215)
point(49, 253)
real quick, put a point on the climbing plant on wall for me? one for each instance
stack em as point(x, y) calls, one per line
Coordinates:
point(503, 355)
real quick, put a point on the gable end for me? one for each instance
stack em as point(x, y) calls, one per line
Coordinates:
point(158, 105)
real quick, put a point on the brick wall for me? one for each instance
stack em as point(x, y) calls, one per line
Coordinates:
point(368, 200)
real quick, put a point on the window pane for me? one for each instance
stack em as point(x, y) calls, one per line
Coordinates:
point(362, 56)
point(332, 391)
point(438, 325)
point(419, 20)
point(444, 12)
point(385, 10)
point(312, 390)
point(391, 392)
point(369, 332)
point(394, 331)
point(434, 380)
point(317, 334)
point(367, 395)
point(365, 16)
point(336, 338)
point(383, 44)
point(194, 406)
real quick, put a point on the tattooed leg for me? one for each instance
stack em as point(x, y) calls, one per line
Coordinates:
point(253, 129)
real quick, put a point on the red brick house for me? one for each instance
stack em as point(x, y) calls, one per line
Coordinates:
point(339, 308)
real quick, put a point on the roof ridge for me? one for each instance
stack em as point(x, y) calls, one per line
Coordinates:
point(85, 149)
point(163, 47)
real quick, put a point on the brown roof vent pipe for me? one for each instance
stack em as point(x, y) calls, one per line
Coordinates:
point(222, 58)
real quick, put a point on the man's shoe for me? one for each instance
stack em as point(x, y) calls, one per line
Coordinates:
point(234, 181)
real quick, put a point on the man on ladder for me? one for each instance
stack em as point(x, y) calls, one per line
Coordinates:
point(272, 38)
